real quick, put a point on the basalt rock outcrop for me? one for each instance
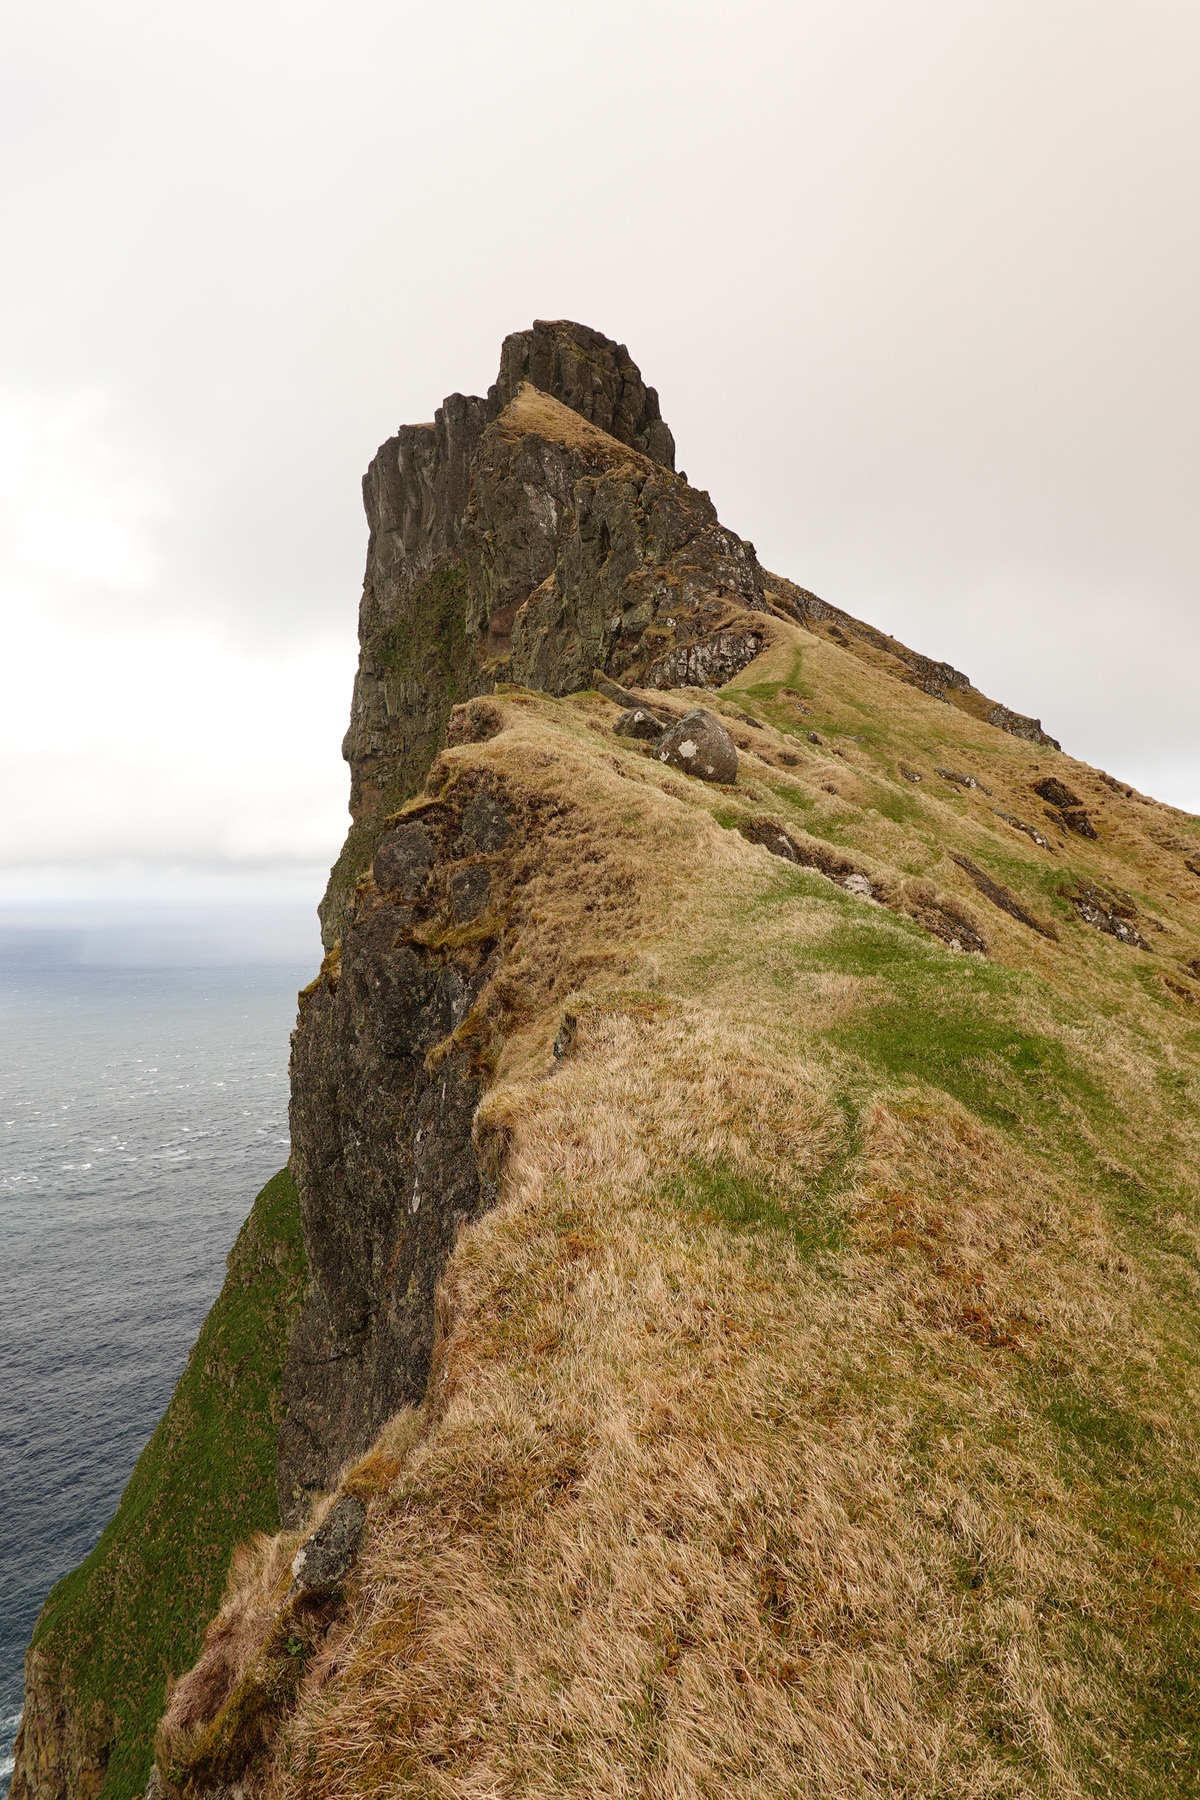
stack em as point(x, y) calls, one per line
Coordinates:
point(537, 537)
point(533, 536)
point(386, 1076)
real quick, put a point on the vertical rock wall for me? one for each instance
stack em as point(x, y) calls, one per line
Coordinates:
point(530, 537)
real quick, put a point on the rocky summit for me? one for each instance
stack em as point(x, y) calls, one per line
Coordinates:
point(729, 1322)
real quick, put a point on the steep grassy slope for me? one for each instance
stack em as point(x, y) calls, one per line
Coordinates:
point(815, 1411)
point(114, 1633)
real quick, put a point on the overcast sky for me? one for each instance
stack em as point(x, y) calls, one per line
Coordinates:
point(917, 283)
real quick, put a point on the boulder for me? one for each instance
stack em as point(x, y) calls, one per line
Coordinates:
point(327, 1557)
point(637, 722)
point(701, 746)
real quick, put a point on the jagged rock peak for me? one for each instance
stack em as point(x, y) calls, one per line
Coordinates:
point(592, 375)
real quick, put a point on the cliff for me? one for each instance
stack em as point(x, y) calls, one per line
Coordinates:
point(113, 1634)
point(747, 1159)
point(533, 538)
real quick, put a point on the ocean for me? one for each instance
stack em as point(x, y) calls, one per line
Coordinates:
point(143, 1103)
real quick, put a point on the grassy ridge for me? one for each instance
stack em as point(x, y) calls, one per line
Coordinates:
point(131, 1615)
point(815, 1412)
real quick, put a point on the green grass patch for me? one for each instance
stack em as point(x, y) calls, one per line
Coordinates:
point(717, 1194)
point(892, 803)
point(133, 1613)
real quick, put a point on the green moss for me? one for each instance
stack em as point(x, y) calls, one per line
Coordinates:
point(249, 1718)
point(133, 1613)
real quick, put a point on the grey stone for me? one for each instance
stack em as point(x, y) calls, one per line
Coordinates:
point(701, 746)
point(529, 555)
point(612, 690)
point(327, 1557)
point(709, 662)
point(383, 1156)
point(403, 859)
point(1110, 912)
point(486, 821)
point(858, 884)
point(1020, 725)
point(638, 723)
point(469, 889)
point(960, 780)
point(1020, 825)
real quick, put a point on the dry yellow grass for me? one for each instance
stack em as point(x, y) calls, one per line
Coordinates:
point(814, 1414)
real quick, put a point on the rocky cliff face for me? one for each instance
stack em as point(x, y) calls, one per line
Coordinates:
point(533, 537)
point(530, 537)
point(386, 1075)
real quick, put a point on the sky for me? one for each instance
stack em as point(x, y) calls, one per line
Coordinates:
point(918, 284)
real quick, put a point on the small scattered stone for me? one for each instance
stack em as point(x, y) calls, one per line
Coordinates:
point(637, 722)
point(910, 774)
point(701, 746)
point(814, 739)
point(1020, 825)
point(1108, 910)
point(961, 780)
point(327, 1557)
point(858, 884)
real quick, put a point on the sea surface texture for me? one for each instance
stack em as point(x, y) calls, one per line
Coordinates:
point(143, 1103)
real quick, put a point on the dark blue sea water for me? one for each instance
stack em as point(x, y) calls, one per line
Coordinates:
point(143, 1103)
